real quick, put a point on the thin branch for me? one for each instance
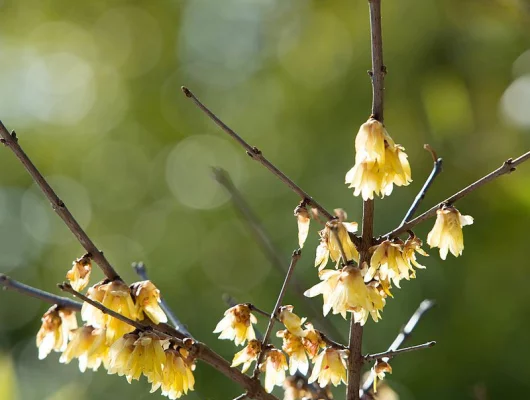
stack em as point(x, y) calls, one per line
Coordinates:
point(403, 335)
point(252, 307)
point(11, 141)
point(141, 271)
point(393, 353)
point(294, 260)
point(507, 167)
point(263, 239)
point(241, 397)
point(332, 343)
point(436, 169)
point(63, 302)
point(256, 154)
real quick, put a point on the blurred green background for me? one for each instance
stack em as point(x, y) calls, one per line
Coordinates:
point(93, 90)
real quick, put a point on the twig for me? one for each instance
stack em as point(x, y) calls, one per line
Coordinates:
point(252, 307)
point(436, 169)
point(269, 250)
point(63, 302)
point(11, 141)
point(256, 154)
point(141, 271)
point(332, 343)
point(403, 335)
point(241, 397)
point(294, 260)
point(392, 353)
point(507, 167)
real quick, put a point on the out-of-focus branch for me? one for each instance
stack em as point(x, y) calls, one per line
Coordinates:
point(256, 154)
point(274, 314)
point(507, 167)
point(393, 353)
point(436, 169)
point(264, 241)
point(11, 141)
point(62, 302)
point(141, 271)
point(403, 335)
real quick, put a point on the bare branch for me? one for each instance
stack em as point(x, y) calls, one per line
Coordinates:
point(507, 167)
point(274, 314)
point(392, 353)
point(141, 271)
point(256, 154)
point(62, 302)
point(11, 141)
point(263, 239)
point(436, 169)
point(241, 397)
point(403, 335)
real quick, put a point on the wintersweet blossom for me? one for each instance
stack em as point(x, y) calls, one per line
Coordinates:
point(388, 260)
point(177, 374)
point(54, 331)
point(330, 366)
point(303, 220)
point(410, 248)
point(79, 275)
point(87, 344)
point(379, 370)
point(294, 348)
point(237, 324)
point(312, 341)
point(147, 300)
point(334, 236)
point(246, 356)
point(292, 322)
point(274, 366)
point(447, 231)
point(379, 162)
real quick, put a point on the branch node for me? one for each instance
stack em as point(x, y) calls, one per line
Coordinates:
point(186, 91)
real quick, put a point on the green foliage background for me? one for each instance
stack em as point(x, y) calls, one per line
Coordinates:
point(92, 89)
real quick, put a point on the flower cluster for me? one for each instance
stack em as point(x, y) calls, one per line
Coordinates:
point(105, 340)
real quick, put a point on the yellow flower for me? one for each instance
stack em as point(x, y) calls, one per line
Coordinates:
point(334, 235)
point(274, 366)
point(237, 324)
point(330, 366)
point(53, 333)
point(79, 275)
point(376, 295)
point(312, 341)
point(292, 322)
point(178, 376)
point(147, 300)
point(115, 295)
point(410, 248)
point(120, 354)
point(302, 218)
point(379, 370)
point(343, 290)
point(379, 162)
point(447, 231)
point(294, 348)
point(246, 356)
point(388, 260)
point(87, 344)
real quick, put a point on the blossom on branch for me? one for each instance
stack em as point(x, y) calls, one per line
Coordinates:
point(177, 374)
point(88, 345)
point(237, 324)
point(147, 300)
point(312, 341)
point(334, 237)
point(294, 348)
point(330, 366)
point(379, 370)
point(292, 322)
point(274, 367)
point(246, 356)
point(303, 220)
point(79, 275)
point(53, 333)
point(447, 231)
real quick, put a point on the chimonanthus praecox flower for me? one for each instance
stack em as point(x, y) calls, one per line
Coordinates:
point(178, 376)
point(447, 231)
point(246, 356)
point(332, 237)
point(292, 322)
point(274, 366)
point(53, 334)
point(79, 275)
point(303, 220)
point(379, 162)
point(312, 340)
point(88, 345)
point(379, 370)
point(147, 300)
point(237, 324)
point(294, 347)
point(330, 366)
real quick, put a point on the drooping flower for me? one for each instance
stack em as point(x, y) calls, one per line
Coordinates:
point(237, 324)
point(334, 236)
point(330, 366)
point(303, 220)
point(292, 322)
point(274, 367)
point(178, 376)
point(147, 300)
point(447, 231)
point(79, 275)
point(379, 370)
point(376, 294)
point(294, 348)
point(389, 261)
point(53, 334)
point(87, 344)
point(379, 162)
point(120, 354)
point(246, 356)
point(410, 248)
point(312, 340)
